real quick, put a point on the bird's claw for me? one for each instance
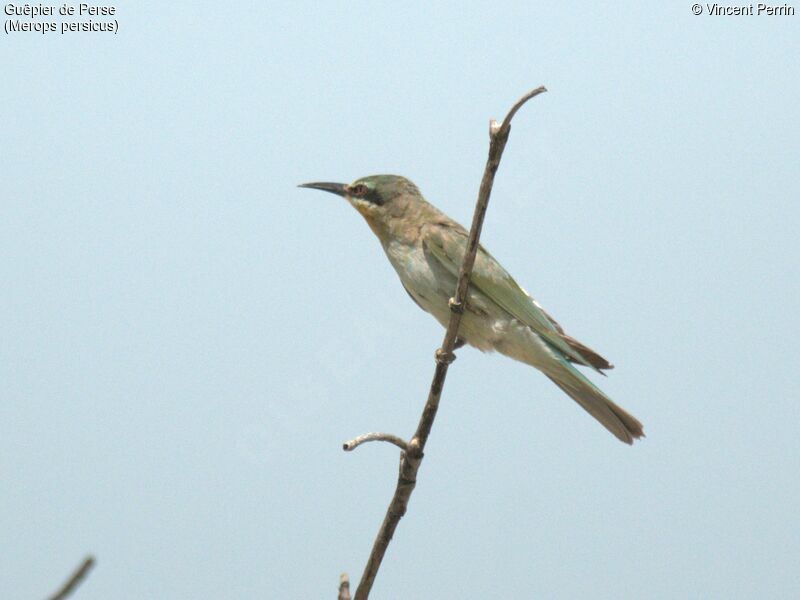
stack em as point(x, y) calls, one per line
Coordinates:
point(444, 357)
point(456, 307)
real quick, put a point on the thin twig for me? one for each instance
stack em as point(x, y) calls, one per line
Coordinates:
point(375, 437)
point(344, 587)
point(75, 579)
point(410, 459)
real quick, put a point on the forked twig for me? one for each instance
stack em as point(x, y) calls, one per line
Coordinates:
point(411, 458)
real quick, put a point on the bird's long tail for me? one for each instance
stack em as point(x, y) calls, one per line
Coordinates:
point(614, 418)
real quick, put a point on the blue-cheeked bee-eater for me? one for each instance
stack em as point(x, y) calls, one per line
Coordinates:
point(426, 248)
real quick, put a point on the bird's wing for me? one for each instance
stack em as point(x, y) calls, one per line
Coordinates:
point(587, 353)
point(447, 245)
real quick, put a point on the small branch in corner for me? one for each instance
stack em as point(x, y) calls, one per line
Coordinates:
point(75, 579)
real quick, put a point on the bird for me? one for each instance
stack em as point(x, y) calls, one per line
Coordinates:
point(426, 249)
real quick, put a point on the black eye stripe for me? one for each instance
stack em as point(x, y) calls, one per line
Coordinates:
point(363, 191)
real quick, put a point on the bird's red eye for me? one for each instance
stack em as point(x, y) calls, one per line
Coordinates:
point(359, 190)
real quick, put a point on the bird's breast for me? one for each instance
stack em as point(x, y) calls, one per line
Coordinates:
point(418, 276)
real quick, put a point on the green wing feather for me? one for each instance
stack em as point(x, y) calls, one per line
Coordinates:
point(494, 281)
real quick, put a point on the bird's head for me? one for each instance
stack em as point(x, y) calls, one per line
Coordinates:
point(377, 197)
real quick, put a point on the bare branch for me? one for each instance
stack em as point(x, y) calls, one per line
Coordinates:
point(410, 459)
point(344, 587)
point(75, 579)
point(375, 437)
point(507, 121)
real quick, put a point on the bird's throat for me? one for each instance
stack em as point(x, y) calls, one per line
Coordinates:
point(374, 222)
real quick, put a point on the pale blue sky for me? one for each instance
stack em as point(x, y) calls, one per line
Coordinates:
point(186, 338)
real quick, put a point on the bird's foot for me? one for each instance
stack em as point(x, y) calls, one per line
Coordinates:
point(444, 357)
point(456, 307)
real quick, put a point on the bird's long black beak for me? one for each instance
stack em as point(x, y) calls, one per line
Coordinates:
point(340, 189)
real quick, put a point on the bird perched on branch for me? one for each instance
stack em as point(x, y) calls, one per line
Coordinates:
point(426, 248)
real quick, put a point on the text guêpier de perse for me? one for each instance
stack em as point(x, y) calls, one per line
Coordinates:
point(41, 10)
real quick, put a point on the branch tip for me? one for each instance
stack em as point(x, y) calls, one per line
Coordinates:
point(506, 125)
point(75, 579)
point(344, 587)
point(375, 437)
